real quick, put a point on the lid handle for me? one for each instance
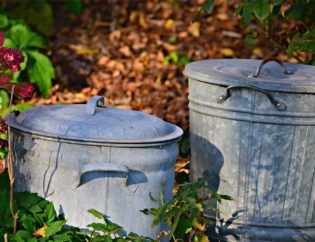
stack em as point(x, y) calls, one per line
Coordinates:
point(280, 62)
point(279, 105)
point(95, 101)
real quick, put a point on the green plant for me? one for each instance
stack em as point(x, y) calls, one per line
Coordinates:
point(37, 67)
point(184, 213)
point(109, 231)
point(176, 58)
point(264, 18)
point(39, 14)
point(37, 218)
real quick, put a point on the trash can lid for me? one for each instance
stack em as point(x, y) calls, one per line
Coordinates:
point(95, 122)
point(289, 77)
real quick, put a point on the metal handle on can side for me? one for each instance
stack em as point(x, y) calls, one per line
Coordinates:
point(101, 167)
point(280, 62)
point(279, 105)
point(96, 101)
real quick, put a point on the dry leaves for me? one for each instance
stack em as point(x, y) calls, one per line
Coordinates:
point(118, 52)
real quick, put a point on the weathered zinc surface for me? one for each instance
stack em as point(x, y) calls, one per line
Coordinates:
point(83, 156)
point(264, 156)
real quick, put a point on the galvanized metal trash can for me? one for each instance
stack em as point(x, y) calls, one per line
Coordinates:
point(255, 130)
point(95, 156)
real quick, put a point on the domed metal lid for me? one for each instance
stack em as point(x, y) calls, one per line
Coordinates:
point(272, 76)
point(95, 122)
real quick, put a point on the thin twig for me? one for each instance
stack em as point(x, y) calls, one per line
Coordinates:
point(10, 164)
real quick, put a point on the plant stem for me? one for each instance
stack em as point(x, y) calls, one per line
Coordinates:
point(5, 237)
point(10, 164)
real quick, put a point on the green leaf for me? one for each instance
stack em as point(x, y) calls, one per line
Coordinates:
point(183, 227)
point(161, 191)
point(40, 219)
point(38, 42)
point(24, 37)
point(227, 197)
point(36, 13)
point(172, 39)
point(175, 223)
point(4, 99)
point(8, 42)
point(5, 208)
point(54, 227)
point(183, 60)
point(153, 199)
point(23, 235)
point(249, 40)
point(195, 18)
point(62, 237)
point(98, 226)
point(107, 238)
point(188, 230)
point(262, 9)
point(208, 6)
point(19, 107)
point(50, 213)
point(276, 10)
point(41, 71)
point(74, 6)
point(4, 181)
point(239, 10)
point(4, 21)
point(35, 209)
point(28, 223)
point(24, 63)
point(246, 17)
point(96, 213)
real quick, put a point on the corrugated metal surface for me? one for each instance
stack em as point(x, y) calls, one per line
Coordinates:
point(265, 156)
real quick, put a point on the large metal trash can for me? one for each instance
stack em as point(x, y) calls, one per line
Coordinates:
point(257, 134)
point(95, 156)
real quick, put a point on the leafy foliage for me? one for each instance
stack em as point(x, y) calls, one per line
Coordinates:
point(108, 231)
point(38, 14)
point(261, 18)
point(184, 212)
point(74, 6)
point(36, 67)
point(176, 58)
point(37, 221)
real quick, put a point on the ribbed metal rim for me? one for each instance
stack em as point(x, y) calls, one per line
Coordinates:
point(217, 79)
point(172, 137)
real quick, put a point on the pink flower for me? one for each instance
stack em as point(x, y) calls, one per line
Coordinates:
point(3, 126)
point(9, 57)
point(14, 68)
point(4, 78)
point(20, 89)
point(1, 38)
point(3, 66)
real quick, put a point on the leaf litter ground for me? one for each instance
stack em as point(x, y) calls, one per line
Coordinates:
point(132, 53)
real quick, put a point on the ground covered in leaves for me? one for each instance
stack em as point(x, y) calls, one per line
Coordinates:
point(133, 53)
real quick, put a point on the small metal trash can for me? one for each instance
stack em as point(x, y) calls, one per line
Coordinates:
point(95, 156)
point(252, 124)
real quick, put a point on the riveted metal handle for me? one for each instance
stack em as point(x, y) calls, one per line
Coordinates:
point(96, 101)
point(280, 62)
point(279, 105)
point(101, 167)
